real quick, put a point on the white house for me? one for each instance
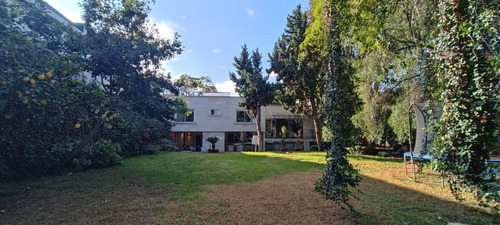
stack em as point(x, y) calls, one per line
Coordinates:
point(219, 115)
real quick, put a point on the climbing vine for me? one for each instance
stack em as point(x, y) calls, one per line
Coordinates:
point(340, 104)
point(466, 52)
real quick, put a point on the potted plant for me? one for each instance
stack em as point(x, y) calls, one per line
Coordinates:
point(212, 141)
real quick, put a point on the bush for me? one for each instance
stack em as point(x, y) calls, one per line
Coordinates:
point(98, 155)
point(137, 134)
point(168, 145)
point(52, 158)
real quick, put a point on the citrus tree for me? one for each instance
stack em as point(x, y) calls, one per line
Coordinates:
point(42, 103)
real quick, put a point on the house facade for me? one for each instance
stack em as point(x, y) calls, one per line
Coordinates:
point(219, 115)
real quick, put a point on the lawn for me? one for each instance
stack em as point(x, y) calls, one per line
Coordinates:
point(245, 188)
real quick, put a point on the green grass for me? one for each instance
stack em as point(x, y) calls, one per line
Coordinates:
point(388, 197)
point(185, 173)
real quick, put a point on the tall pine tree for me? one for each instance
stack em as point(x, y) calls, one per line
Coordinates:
point(252, 86)
point(301, 87)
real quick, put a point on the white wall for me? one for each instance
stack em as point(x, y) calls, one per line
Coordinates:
point(204, 122)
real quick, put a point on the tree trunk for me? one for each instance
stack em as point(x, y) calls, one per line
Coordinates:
point(259, 130)
point(79, 148)
point(317, 131)
point(317, 124)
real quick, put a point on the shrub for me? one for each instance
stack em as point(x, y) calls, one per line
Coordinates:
point(137, 134)
point(168, 145)
point(98, 155)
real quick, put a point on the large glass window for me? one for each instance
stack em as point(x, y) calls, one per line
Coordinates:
point(186, 117)
point(294, 128)
point(243, 117)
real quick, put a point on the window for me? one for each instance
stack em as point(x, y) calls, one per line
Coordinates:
point(215, 112)
point(242, 117)
point(186, 117)
point(294, 128)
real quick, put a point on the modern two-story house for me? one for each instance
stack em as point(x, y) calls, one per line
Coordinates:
point(218, 114)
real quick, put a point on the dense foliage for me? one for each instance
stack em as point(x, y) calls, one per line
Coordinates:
point(469, 77)
point(53, 119)
point(41, 100)
point(393, 39)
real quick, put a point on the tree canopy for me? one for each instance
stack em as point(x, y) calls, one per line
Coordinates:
point(194, 86)
point(297, 63)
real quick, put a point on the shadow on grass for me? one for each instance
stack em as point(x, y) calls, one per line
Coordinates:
point(385, 203)
point(145, 184)
point(377, 158)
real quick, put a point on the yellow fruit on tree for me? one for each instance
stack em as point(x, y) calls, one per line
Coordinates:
point(49, 74)
point(7, 116)
point(41, 77)
point(19, 94)
point(26, 79)
point(43, 102)
point(25, 101)
point(77, 126)
point(32, 82)
point(28, 120)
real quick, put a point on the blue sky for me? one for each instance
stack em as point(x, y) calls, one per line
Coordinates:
point(212, 32)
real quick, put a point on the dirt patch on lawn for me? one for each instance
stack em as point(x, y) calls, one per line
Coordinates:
point(134, 204)
point(289, 199)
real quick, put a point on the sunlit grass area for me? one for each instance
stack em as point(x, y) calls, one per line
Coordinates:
point(172, 186)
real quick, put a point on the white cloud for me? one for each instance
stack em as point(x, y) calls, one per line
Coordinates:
point(250, 11)
point(165, 28)
point(273, 74)
point(226, 86)
point(217, 51)
point(189, 50)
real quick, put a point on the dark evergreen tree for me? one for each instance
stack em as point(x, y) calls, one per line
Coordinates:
point(252, 86)
point(301, 87)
